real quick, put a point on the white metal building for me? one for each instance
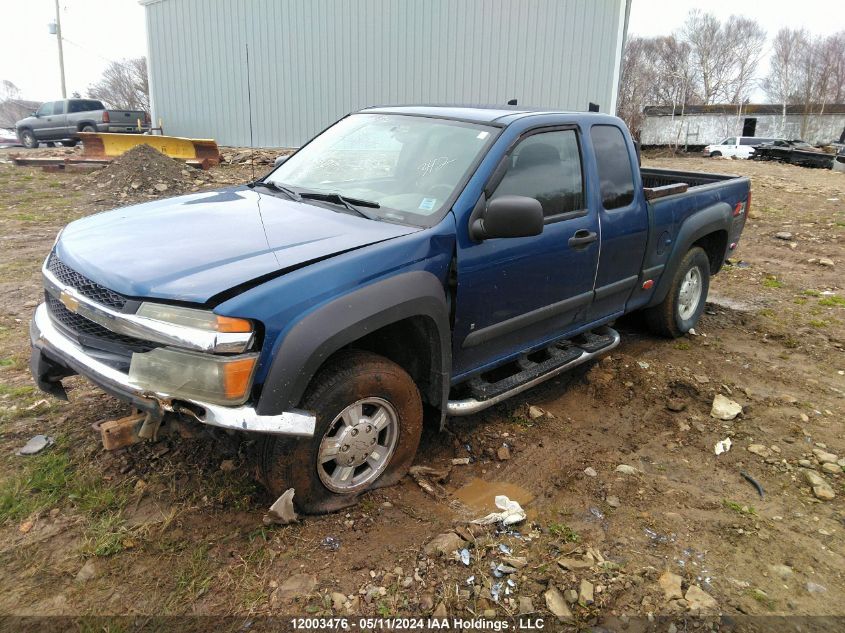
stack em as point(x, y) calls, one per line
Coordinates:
point(295, 66)
point(697, 126)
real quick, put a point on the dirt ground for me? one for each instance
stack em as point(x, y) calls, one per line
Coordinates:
point(175, 527)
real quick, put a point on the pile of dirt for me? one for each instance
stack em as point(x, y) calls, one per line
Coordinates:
point(144, 170)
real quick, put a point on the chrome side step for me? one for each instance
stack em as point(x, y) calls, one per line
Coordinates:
point(470, 406)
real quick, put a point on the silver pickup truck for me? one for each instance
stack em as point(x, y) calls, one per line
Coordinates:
point(63, 120)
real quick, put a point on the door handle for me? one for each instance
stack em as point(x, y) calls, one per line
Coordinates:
point(583, 237)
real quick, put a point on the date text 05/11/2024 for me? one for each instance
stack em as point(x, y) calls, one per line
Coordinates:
point(522, 623)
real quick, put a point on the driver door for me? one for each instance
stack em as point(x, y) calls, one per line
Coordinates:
point(516, 293)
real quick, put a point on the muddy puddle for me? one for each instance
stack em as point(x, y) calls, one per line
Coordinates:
point(479, 494)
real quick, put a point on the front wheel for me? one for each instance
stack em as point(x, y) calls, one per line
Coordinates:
point(369, 422)
point(683, 305)
point(715, 154)
point(28, 139)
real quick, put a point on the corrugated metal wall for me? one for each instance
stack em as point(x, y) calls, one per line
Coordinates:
point(312, 61)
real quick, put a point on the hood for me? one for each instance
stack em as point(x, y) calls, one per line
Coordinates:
point(193, 247)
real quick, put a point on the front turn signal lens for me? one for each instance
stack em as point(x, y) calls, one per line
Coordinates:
point(194, 376)
point(191, 317)
point(231, 324)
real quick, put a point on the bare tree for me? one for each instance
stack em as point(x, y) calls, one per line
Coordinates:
point(124, 85)
point(781, 85)
point(8, 91)
point(748, 41)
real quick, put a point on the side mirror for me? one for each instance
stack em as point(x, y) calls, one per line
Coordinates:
point(279, 161)
point(508, 216)
point(35, 114)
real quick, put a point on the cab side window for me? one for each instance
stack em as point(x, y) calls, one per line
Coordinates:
point(546, 167)
point(46, 109)
point(614, 165)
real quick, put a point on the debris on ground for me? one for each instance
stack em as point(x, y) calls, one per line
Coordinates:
point(754, 483)
point(36, 444)
point(282, 511)
point(144, 170)
point(511, 513)
point(722, 446)
point(725, 408)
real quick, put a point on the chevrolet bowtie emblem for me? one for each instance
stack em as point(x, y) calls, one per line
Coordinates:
point(70, 302)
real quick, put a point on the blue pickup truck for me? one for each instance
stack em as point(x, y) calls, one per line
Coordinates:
point(407, 262)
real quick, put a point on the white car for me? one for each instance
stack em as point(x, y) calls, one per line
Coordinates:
point(735, 147)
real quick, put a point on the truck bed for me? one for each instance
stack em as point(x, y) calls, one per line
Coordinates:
point(659, 183)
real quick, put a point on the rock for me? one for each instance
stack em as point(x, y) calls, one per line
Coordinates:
point(590, 471)
point(88, 571)
point(788, 398)
point(671, 585)
point(821, 489)
point(806, 463)
point(759, 449)
point(784, 235)
point(444, 544)
point(627, 470)
point(525, 605)
point(338, 600)
point(227, 466)
point(701, 379)
point(784, 572)
point(160, 186)
point(503, 453)
point(824, 261)
point(517, 562)
point(833, 469)
point(571, 596)
point(557, 605)
point(294, 587)
point(824, 457)
point(426, 602)
point(812, 587)
point(700, 601)
point(440, 612)
point(612, 501)
point(585, 593)
point(535, 412)
point(676, 405)
point(574, 563)
point(724, 408)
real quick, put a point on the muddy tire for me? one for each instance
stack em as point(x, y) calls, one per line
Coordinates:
point(715, 154)
point(88, 128)
point(69, 143)
point(684, 303)
point(28, 139)
point(369, 422)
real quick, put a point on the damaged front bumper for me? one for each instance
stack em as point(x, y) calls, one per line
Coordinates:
point(55, 356)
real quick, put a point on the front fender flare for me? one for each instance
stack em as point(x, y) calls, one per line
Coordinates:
point(346, 319)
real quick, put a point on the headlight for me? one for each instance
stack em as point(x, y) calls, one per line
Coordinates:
point(191, 317)
point(222, 380)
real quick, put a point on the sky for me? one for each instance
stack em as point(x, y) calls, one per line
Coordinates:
point(98, 31)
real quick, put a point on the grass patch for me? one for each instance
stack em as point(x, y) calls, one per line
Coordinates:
point(738, 508)
point(818, 323)
point(107, 536)
point(763, 598)
point(195, 577)
point(564, 532)
point(772, 282)
point(682, 345)
point(812, 293)
point(834, 300)
point(50, 479)
point(800, 301)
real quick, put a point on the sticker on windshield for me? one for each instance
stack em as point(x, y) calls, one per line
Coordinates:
point(427, 204)
point(483, 135)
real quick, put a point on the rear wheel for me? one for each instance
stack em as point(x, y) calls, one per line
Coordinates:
point(69, 143)
point(684, 303)
point(88, 128)
point(369, 422)
point(715, 154)
point(28, 139)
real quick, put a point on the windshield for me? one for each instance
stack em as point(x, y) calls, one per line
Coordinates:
point(409, 166)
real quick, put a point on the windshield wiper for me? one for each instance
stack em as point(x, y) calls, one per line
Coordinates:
point(290, 193)
point(350, 203)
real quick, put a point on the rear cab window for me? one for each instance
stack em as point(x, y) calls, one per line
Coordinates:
point(84, 105)
point(614, 166)
point(546, 166)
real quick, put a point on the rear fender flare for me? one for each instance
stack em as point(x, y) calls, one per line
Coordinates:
point(348, 318)
point(709, 220)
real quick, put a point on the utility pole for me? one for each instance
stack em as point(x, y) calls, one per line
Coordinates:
point(61, 52)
